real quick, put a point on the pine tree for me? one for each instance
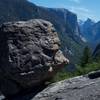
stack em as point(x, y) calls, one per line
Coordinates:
point(86, 57)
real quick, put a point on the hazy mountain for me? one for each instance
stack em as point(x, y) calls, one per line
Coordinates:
point(86, 29)
point(64, 21)
point(91, 31)
point(96, 32)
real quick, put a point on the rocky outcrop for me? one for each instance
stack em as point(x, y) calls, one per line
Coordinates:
point(29, 54)
point(79, 88)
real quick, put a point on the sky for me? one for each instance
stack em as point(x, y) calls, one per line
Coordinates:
point(83, 8)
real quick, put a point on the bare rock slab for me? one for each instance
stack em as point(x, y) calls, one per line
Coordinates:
point(78, 88)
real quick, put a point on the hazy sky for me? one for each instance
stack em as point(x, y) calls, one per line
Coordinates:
point(83, 8)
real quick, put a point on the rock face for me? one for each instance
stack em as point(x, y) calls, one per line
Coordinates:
point(96, 53)
point(29, 54)
point(78, 88)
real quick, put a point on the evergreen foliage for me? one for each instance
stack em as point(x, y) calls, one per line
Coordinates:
point(86, 57)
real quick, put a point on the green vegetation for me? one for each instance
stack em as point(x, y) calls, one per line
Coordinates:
point(63, 74)
point(86, 57)
point(87, 64)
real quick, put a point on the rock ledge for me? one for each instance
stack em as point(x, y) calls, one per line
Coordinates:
point(78, 88)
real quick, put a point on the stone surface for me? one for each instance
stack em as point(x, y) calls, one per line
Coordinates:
point(78, 88)
point(29, 54)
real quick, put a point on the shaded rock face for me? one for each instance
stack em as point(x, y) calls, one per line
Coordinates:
point(78, 88)
point(29, 54)
point(96, 53)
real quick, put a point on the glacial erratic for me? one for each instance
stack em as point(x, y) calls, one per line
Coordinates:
point(29, 54)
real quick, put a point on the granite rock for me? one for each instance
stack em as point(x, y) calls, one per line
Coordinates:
point(29, 54)
point(77, 88)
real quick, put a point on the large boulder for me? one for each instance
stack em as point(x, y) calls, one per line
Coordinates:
point(29, 54)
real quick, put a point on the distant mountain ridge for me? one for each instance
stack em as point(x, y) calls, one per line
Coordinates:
point(91, 31)
point(86, 29)
point(96, 32)
point(63, 20)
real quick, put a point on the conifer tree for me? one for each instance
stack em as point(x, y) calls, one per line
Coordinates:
point(86, 57)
